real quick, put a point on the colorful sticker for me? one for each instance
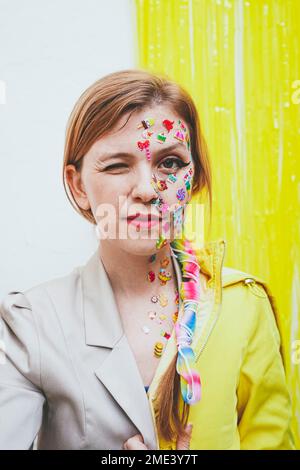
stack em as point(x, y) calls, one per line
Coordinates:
point(187, 185)
point(172, 179)
point(164, 276)
point(162, 185)
point(161, 242)
point(161, 138)
point(164, 262)
point(146, 134)
point(151, 276)
point(158, 349)
point(187, 139)
point(168, 124)
point(148, 155)
point(179, 136)
point(152, 258)
point(163, 300)
point(174, 317)
point(180, 194)
point(152, 315)
point(182, 125)
point(143, 145)
point(146, 123)
point(165, 334)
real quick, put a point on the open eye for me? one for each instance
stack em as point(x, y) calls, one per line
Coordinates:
point(173, 163)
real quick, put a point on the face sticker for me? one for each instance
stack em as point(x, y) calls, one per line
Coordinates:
point(146, 123)
point(164, 262)
point(163, 300)
point(164, 276)
point(158, 349)
point(144, 146)
point(179, 136)
point(172, 179)
point(152, 258)
point(161, 138)
point(187, 178)
point(151, 276)
point(168, 124)
point(161, 185)
point(146, 134)
point(175, 189)
point(180, 194)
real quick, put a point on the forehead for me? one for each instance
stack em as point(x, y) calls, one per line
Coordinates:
point(128, 130)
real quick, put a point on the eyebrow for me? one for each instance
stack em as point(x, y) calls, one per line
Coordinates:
point(109, 156)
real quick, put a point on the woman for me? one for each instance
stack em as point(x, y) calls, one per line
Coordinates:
point(150, 334)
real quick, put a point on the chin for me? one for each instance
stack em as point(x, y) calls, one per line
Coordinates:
point(140, 247)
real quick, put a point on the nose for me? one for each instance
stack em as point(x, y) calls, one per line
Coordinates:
point(143, 189)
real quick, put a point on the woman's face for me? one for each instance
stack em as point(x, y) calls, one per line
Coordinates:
point(145, 169)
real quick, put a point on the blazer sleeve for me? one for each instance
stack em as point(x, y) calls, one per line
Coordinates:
point(21, 396)
point(264, 404)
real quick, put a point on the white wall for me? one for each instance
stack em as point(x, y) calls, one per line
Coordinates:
point(50, 51)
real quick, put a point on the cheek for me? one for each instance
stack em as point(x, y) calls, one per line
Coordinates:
point(96, 192)
point(102, 196)
point(107, 188)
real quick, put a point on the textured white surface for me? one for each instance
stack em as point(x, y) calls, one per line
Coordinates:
point(49, 53)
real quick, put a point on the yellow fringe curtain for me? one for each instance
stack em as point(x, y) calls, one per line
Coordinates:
point(240, 60)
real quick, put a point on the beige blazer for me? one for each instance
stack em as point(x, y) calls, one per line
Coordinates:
point(69, 371)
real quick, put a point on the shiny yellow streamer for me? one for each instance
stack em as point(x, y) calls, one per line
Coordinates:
point(240, 60)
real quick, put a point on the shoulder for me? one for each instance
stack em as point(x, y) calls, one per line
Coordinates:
point(34, 316)
point(235, 279)
point(247, 300)
point(237, 282)
point(231, 276)
point(252, 297)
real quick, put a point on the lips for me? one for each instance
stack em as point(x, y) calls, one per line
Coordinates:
point(143, 217)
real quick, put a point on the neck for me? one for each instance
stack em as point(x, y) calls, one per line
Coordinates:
point(128, 273)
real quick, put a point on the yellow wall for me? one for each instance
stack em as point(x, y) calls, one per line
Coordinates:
point(240, 61)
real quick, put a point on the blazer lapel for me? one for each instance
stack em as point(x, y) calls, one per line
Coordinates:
point(103, 328)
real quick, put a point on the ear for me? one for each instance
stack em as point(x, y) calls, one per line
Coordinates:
point(76, 186)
